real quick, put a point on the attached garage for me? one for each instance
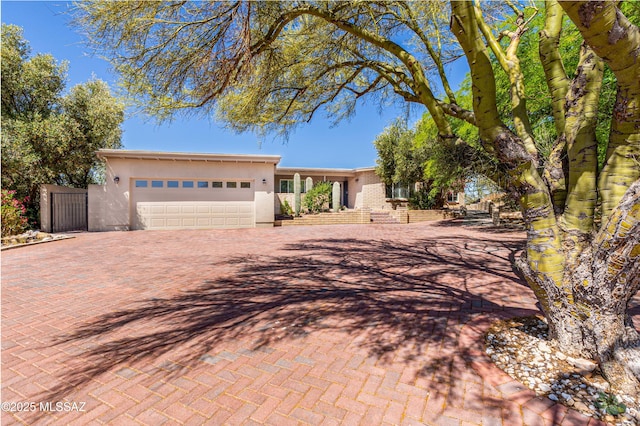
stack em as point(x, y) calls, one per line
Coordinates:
point(194, 215)
point(151, 190)
point(187, 204)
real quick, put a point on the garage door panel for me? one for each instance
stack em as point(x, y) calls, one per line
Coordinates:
point(217, 222)
point(231, 209)
point(202, 221)
point(194, 214)
point(173, 222)
point(157, 223)
point(245, 221)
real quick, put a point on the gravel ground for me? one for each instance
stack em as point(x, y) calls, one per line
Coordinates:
point(522, 349)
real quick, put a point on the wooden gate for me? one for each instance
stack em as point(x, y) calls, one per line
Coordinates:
point(68, 212)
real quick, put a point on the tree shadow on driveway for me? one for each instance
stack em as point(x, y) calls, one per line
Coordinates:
point(394, 300)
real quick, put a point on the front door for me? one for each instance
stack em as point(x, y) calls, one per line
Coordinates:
point(345, 194)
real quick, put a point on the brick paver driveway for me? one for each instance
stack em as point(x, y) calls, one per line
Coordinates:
point(367, 324)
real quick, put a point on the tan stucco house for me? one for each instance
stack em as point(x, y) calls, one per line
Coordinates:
point(165, 190)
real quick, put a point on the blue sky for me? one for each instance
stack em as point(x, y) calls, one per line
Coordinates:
point(316, 144)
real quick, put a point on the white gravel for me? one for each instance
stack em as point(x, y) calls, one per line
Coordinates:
point(521, 348)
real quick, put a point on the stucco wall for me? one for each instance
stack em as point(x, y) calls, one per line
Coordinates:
point(107, 213)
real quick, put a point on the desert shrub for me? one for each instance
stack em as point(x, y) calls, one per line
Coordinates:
point(318, 198)
point(14, 219)
point(423, 199)
point(285, 208)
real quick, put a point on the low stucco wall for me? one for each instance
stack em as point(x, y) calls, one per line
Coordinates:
point(280, 198)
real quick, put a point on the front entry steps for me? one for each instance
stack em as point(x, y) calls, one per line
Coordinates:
point(383, 218)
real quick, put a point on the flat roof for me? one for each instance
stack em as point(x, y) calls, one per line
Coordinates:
point(187, 156)
point(311, 171)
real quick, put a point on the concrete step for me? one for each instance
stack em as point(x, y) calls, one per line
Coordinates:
point(383, 218)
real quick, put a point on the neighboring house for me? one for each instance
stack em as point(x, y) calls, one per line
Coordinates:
point(163, 190)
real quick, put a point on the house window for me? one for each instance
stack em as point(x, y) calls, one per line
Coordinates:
point(142, 184)
point(286, 186)
point(398, 191)
point(216, 184)
point(203, 184)
point(452, 197)
point(157, 184)
point(232, 184)
point(245, 185)
point(172, 184)
point(187, 184)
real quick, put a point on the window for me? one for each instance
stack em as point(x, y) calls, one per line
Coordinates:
point(172, 184)
point(232, 184)
point(245, 184)
point(202, 184)
point(452, 197)
point(286, 186)
point(157, 184)
point(141, 184)
point(216, 184)
point(399, 191)
point(187, 184)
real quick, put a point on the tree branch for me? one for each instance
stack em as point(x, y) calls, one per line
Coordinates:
point(617, 41)
point(510, 63)
point(582, 109)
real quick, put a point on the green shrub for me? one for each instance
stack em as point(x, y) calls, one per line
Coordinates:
point(285, 208)
point(318, 198)
point(14, 219)
point(423, 199)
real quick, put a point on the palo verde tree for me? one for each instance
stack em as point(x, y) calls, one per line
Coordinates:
point(49, 136)
point(268, 66)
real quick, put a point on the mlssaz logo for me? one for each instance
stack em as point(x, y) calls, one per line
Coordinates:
point(62, 406)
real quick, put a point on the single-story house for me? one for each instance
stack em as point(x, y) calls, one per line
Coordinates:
point(164, 190)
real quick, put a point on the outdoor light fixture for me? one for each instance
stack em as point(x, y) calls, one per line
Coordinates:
point(264, 181)
point(116, 180)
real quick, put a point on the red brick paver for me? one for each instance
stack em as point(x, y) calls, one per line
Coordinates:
point(363, 324)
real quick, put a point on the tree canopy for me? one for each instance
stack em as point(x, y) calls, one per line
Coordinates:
point(400, 159)
point(49, 136)
point(268, 66)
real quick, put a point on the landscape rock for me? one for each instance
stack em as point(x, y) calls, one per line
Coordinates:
point(521, 348)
